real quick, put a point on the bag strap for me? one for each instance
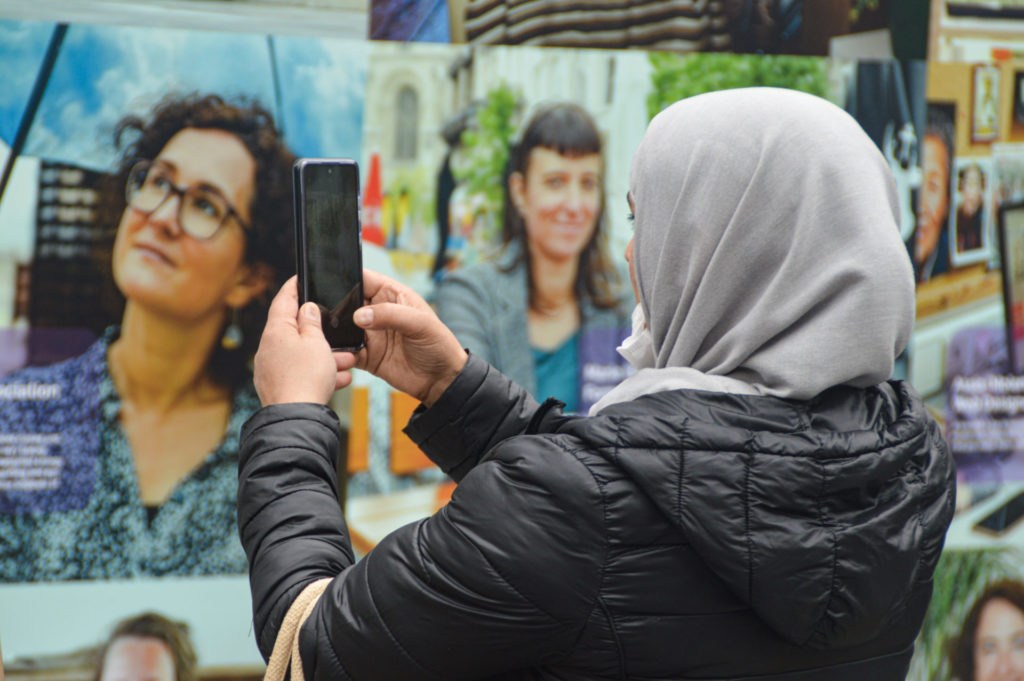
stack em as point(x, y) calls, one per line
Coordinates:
point(286, 647)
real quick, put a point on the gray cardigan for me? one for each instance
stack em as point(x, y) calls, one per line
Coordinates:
point(485, 306)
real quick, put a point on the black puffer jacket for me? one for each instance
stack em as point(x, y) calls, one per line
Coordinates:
point(683, 535)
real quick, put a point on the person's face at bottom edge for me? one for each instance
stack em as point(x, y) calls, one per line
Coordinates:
point(138, 658)
point(999, 642)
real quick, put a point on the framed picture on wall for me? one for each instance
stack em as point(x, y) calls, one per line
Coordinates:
point(985, 104)
point(1007, 173)
point(988, 9)
point(1011, 246)
point(970, 213)
point(1018, 97)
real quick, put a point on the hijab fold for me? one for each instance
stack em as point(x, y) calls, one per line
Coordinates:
point(767, 249)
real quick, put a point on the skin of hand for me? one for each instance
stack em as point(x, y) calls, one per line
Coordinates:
point(294, 362)
point(406, 345)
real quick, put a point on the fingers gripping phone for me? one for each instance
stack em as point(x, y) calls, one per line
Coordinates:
point(329, 258)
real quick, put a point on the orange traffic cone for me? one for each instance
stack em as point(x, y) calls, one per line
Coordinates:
point(372, 231)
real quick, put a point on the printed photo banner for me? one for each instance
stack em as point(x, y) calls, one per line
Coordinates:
point(70, 505)
point(431, 125)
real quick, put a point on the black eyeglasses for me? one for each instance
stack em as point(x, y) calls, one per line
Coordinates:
point(201, 210)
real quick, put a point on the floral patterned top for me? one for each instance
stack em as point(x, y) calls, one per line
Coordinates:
point(69, 500)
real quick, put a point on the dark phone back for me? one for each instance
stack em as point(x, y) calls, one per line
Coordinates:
point(328, 245)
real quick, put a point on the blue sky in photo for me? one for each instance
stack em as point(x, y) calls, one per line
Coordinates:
point(323, 85)
point(106, 72)
point(22, 45)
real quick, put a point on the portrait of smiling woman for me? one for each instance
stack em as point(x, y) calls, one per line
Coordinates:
point(548, 311)
point(146, 420)
point(990, 646)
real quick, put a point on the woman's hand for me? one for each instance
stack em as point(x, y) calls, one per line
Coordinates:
point(294, 362)
point(406, 343)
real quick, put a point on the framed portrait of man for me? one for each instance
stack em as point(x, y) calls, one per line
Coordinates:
point(931, 250)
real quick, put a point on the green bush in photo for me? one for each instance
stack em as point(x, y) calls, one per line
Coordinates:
point(485, 144)
point(676, 76)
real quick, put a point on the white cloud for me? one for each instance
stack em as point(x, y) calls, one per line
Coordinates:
point(327, 82)
point(136, 67)
point(22, 45)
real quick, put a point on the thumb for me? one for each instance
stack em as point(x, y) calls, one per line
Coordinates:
point(309, 320)
point(407, 321)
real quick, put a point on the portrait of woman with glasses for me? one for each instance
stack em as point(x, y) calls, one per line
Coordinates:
point(129, 450)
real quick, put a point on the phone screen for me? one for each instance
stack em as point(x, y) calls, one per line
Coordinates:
point(329, 259)
point(1004, 517)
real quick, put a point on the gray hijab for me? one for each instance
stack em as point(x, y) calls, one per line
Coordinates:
point(767, 249)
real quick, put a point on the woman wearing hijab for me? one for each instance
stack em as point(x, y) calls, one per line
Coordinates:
point(757, 501)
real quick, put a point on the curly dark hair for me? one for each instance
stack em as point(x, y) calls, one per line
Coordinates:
point(154, 625)
point(960, 649)
point(269, 241)
point(570, 131)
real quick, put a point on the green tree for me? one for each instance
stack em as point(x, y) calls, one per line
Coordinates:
point(675, 76)
point(485, 147)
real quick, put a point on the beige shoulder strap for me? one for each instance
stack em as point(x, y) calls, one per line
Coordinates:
point(286, 647)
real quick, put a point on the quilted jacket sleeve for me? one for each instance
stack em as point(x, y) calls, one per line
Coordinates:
point(481, 408)
point(504, 577)
point(289, 518)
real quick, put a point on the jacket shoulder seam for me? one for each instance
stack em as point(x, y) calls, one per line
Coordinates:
point(748, 465)
point(819, 628)
point(387, 626)
point(500, 574)
point(599, 600)
point(331, 648)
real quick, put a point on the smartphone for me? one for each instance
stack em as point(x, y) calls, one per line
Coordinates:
point(1003, 518)
point(329, 258)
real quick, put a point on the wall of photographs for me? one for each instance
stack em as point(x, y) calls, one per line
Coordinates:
point(428, 96)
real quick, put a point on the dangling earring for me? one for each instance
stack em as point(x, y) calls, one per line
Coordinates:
point(233, 337)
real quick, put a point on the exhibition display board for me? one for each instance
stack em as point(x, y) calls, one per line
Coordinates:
point(430, 98)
